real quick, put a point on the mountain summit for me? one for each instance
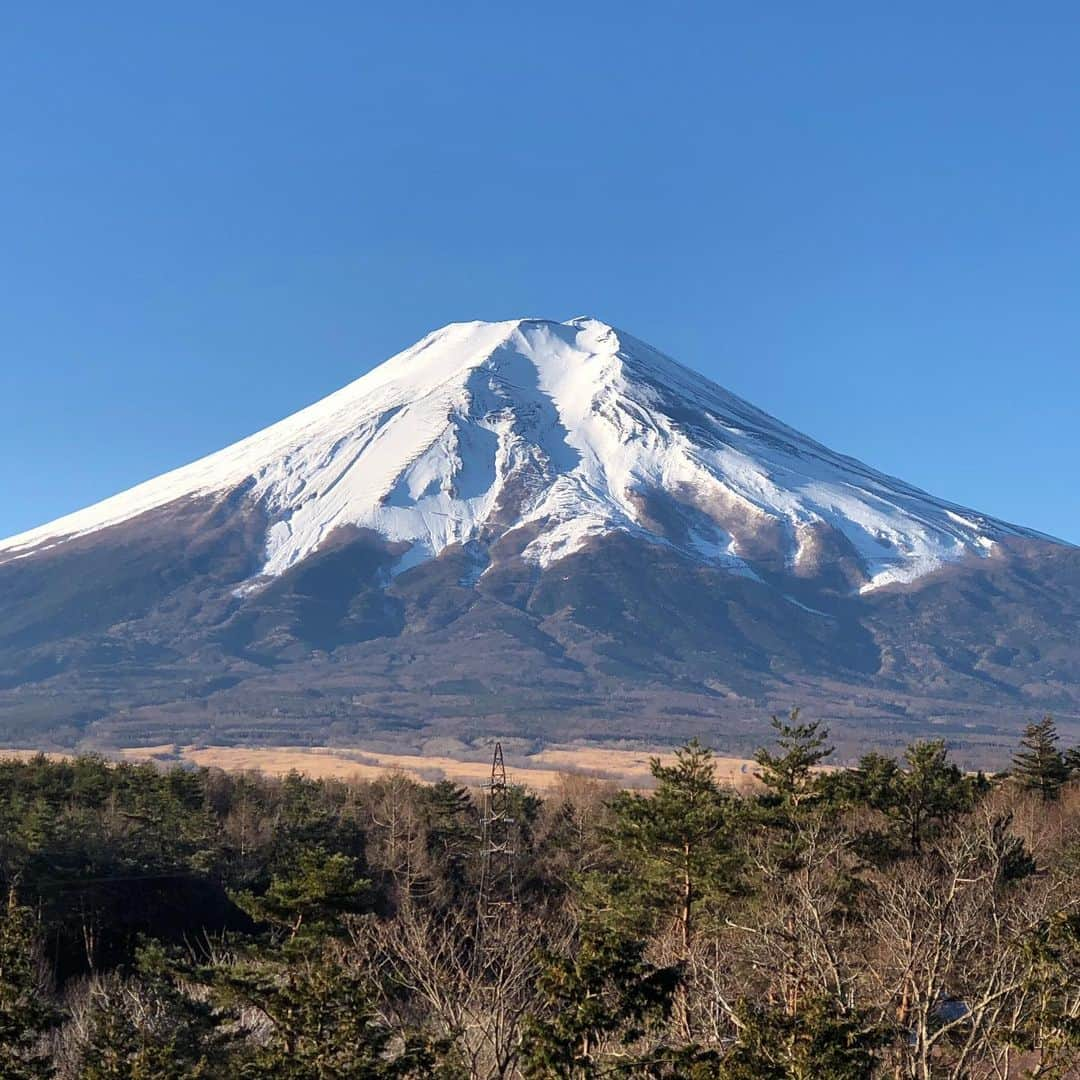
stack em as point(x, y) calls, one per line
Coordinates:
point(531, 528)
point(570, 431)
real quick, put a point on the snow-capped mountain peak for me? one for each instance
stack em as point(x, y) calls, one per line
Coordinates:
point(565, 431)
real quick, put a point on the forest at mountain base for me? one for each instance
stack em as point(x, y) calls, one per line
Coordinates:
point(902, 918)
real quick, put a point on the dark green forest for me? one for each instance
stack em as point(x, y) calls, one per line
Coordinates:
point(900, 918)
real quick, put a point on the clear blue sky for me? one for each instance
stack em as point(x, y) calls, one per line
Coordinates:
point(863, 217)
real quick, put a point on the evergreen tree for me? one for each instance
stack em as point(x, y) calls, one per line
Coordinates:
point(817, 1043)
point(677, 841)
point(24, 1015)
point(1051, 1028)
point(320, 1022)
point(144, 1027)
point(821, 946)
point(919, 799)
point(311, 897)
point(318, 1008)
point(789, 772)
point(594, 1005)
point(1072, 762)
point(451, 821)
point(1039, 764)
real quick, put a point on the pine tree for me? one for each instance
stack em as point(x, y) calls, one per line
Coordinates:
point(919, 799)
point(316, 1003)
point(819, 1042)
point(320, 1021)
point(790, 772)
point(310, 897)
point(143, 1026)
point(119, 1047)
point(595, 1004)
point(1039, 764)
point(677, 841)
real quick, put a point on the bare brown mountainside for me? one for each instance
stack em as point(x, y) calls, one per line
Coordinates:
point(135, 636)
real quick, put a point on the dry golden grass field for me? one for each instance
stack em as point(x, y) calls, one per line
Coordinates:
point(540, 771)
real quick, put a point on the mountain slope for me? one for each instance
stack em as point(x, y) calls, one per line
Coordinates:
point(632, 546)
point(485, 427)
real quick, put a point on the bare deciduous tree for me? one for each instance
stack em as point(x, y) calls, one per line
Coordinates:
point(470, 984)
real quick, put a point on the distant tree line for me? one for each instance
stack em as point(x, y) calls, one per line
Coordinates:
point(897, 919)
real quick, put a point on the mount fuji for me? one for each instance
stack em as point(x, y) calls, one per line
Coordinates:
point(534, 528)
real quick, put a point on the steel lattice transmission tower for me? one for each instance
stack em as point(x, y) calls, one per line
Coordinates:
point(498, 890)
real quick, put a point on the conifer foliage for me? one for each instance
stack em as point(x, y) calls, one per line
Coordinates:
point(677, 840)
point(24, 1012)
point(1039, 764)
point(789, 771)
point(594, 1004)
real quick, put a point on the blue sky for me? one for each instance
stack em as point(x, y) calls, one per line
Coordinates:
point(866, 221)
